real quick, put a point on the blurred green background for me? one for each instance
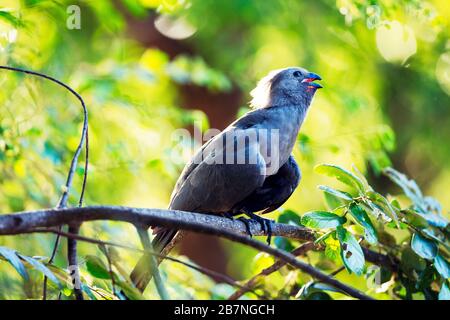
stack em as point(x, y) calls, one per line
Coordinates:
point(148, 67)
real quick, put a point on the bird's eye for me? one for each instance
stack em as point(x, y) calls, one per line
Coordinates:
point(297, 74)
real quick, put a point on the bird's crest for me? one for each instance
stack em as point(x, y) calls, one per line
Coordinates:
point(261, 93)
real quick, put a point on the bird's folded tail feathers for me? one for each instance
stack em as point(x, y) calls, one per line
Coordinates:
point(163, 237)
point(141, 274)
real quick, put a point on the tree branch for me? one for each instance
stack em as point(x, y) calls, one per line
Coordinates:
point(209, 224)
point(28, 220)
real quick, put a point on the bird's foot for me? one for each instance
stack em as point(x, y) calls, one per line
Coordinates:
point(266, 224)
point(246, 222)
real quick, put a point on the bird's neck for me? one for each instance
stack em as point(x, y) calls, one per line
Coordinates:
point(287, 99)
point(287, 120)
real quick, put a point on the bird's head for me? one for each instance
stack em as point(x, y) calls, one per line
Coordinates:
point(285, 87)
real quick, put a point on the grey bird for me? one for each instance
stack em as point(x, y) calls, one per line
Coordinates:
point(249, 166)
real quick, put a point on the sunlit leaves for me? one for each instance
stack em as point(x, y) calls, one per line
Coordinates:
point(22, 262)
point(6, 15)
point(261, 261)
point(315, 291)
point(332, 246)
point(96, 267)
point(425, 248)
point(339, 194)
point(322, 220)
point(427, 207)
point(381, 206)
point(42, 268)
point(444, 294)
point(442, 266)
point(341, 174)
point(363, 219)
point(12, 257)
point(187, 70)
point(290, 217)
point(351, 252)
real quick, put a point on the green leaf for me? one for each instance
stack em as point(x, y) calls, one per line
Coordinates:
point(410, 262)
point(96, 267)
point(283, 244)
point(415, 219)
point(42, 268)
point(131, 292)
point(332, 201)
point(5, 15)
point(12, 257)
point(383, 205)
point(425, 248)
point(442, 266)
point(290, 217)
point(88, 291)
point(444, 294)
point(322, 220)
point(435, 220)
point(339, 194)
point(341, 174)
point(351, 252)
point(363, 219)
point(315, 291)
point(332, 246)
point(410, 187)
point(324, 236)
point(318, 295)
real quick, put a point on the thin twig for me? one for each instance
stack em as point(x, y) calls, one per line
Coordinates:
point(252, 283)
point(153, 264)
point(84, 136)
point(110, 271)
point(337, 271)
point(73, 260)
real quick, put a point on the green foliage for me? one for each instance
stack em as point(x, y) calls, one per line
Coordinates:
point(342, 175)
point(427, 237)
point(322, 220)
point(351, 252)
point(12, 257)
point(363, 219)
point(22, 263)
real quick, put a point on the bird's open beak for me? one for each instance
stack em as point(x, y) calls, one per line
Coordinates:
point(310, 78)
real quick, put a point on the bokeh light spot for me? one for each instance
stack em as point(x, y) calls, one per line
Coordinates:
point(395, 42)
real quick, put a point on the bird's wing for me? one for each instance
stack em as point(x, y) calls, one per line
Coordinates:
point(283, 184)
point(275, 191)
point(213, 185)
point(189, 167)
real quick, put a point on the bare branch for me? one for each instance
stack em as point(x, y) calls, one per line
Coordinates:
point(209, 224)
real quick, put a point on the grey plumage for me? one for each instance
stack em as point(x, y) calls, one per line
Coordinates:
point(269, 174)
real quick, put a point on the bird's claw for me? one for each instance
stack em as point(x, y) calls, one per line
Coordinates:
point(246, 222)
point(266, 224)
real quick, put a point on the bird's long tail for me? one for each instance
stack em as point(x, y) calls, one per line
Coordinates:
point(161, 244)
